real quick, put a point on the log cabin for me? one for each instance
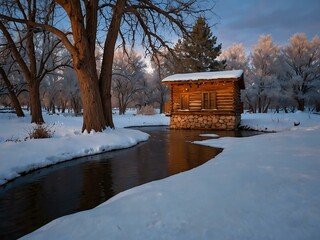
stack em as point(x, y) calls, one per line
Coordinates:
point(205, 100)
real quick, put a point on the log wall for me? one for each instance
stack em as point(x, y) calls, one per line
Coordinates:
point(225, 114)
point(227, 95)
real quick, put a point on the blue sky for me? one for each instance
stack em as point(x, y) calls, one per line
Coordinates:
point(244, 21)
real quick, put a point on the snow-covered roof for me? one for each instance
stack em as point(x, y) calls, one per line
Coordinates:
point(203, 76)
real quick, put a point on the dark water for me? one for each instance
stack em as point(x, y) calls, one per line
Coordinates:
point(31, 201)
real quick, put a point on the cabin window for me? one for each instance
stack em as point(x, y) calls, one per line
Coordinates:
point(209, 100)
point(184, 104)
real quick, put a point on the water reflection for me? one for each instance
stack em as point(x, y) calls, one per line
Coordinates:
point(37, 198)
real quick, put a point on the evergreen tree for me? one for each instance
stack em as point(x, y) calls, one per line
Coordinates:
point(197, 52)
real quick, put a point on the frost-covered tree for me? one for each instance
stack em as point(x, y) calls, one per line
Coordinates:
point(160, 92)
point(282, 78)
point(51, 87)
point(301, 66)
point(261, 82)
point(147, 93)
point(69, 96)
point(197, 52)
point(128, 78)
point(53, 83)
point(235, 57)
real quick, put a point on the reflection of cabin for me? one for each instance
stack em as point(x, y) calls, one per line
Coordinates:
point(205, 100)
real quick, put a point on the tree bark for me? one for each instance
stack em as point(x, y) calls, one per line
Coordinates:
point(35, 103)
point(84, 62)
point(93, 118)
point(106, 68)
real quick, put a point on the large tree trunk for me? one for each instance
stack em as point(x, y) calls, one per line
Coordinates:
point(35, 103)
point(93, 118)
point(85, 68)
point(105, 94)
point(106, 68)
point(84, 62)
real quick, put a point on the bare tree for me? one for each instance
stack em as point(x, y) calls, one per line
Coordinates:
point(284, 78)
point(69, 96)
point(124, 18)
point(261, 79)
point(302, 68)
point(51, 87)
point(160, 71)
point(31, 47)
point(128, 78)
point(235, 57)
point(8, 74)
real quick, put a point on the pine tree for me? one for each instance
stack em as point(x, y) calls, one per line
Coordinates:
point(198, 52)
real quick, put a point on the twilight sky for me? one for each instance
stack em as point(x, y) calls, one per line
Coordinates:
point(244, 21)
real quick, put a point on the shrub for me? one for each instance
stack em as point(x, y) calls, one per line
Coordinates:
point(146, 110)
point(41, 131)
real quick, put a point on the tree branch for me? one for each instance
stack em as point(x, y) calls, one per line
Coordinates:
point(61, 35)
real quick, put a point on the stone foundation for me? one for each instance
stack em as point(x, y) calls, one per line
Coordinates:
point(214, 122)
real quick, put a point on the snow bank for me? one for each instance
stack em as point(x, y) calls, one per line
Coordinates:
point(36, 153)
point(279, 121)
point(18, 156)
point(261, 187)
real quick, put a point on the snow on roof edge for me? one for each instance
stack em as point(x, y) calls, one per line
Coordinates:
point(203, 76)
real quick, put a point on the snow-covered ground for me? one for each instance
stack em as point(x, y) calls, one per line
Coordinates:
point(261, 187)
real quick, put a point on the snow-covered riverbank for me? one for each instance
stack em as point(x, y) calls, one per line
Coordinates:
point(261, 187)
point(18, 155)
